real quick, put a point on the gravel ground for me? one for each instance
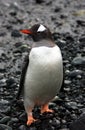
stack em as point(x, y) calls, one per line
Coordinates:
point(66, 20)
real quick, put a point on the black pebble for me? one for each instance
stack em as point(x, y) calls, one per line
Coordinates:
point(5, 127)
point(18, 44)
point(13, 13)
point(81, 22)
point(11, 81)
point(22, 117)
point(39, 1)
point(22, 127)
point(79, 124)
point(79, 61)
point(15, 33)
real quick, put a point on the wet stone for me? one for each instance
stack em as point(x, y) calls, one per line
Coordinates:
point(3, 82)
point(13, 13)
point(22, 127)
point(22, 117)
point(56, 122)
point(2, 34)
point(63, 16)
point(57, 9)
point(2, 67)
point(72, 105)
point(33, 128)
point(5, 119)
point(64, 129)
point(82, 40)
point(81, 22)
point(14, 119)
point(14, 5)
point(63, 121)
point(78, 61)
point(61, 43)
point(1, 51)
point(73, 116)
point(15, 33)
point(18, 44)
point(79, 124)
point(4, 106)
point(69, 38)
point(39, 1)
point(5, 127)
point(52, 105)
point(8, 26)
point(75, 73)
point(67, 82)
point(67, 89)
point(10, 81)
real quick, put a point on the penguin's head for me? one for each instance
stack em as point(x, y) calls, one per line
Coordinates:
point(38, 32)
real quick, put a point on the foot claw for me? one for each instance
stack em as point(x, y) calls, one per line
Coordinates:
point(46, 109)
point(30, 120)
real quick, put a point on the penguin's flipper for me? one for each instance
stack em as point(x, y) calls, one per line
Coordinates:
point(24, 68)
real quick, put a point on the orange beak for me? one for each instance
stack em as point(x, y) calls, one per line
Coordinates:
point(26, 31)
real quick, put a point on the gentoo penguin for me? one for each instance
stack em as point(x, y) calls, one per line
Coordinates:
point(42, 75)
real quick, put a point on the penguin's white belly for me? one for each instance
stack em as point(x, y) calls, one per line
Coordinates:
point(44, 75)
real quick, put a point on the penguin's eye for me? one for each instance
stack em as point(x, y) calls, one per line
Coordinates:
point(41, 28)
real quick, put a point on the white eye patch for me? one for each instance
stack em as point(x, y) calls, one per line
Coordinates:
point(41, 28)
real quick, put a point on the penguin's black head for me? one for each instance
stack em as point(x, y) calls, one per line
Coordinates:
point(38, 32)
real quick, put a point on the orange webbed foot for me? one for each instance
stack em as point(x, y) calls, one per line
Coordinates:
point(46, 109)
point(30, 120)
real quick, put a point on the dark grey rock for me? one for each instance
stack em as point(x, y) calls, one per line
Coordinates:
point(4, 106)
point(2, 67)
point(67, 89)
point(13, 5)
point(5, 127)
point(3, 83)
point(5, 119)
point(63, 16)
point(2, 34)
point(81, 22)
point(22, 127)
point(64, 129)
point(75, 73)
point(56, 122)
point(13, 13)
point(18, 44)
point(14, 120)
point(10, 81)
point(64, 121)
point(67, 82)
point(73, 116)
point(15, 33)
point(22, 117)
point(39, 1)
point(82, 40)
point(57, 9)
point(52, 105)
point(72, 105)
point(78, 61)
point(79, 124)
point(33, 128)
point(61, 43)
point(1, 51)
point(83, 110)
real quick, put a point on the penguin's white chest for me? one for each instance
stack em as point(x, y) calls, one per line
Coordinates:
point(44, 74)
